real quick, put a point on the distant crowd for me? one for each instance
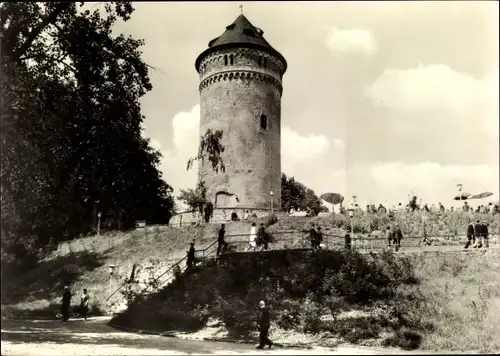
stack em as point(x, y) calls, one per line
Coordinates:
point(381, 209)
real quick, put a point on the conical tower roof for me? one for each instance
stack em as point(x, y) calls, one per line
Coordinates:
point(241, 33)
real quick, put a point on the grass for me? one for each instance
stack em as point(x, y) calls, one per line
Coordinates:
point(462, 294)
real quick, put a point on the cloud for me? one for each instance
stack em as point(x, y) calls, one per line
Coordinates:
point(431, 181)
point(356, 40)
point(297, 148)
point(185, 132)
point(301, 154)
point(437, 91)
point(307, 158)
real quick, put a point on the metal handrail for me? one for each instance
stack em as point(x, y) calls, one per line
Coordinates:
point(304, 239)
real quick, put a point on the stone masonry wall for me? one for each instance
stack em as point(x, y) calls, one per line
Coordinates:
point(233, 98)
point(219, 215)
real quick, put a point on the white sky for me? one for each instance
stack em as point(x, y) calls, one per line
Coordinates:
point(380, 98)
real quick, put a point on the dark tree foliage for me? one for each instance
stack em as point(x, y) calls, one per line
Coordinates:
point(71, 125)
point(210, 148)
point(333, 198)
point(296, 195)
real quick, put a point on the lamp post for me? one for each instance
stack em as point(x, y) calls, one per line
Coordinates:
point(351, 218)
point(98, 223)
point(272, 201)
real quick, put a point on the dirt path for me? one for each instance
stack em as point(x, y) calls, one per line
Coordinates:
point(95, 337)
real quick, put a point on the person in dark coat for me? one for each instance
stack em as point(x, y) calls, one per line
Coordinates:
point(264, 325)
point(319, 237)
point(470, 236)
point(478, 232)
point(66, 303)
point(209, 211)
point(398, 236)
point(485, 234)
point(262, 237)
point(312, 236)
point(347, 240)
point(222, 244)
point(191, 256)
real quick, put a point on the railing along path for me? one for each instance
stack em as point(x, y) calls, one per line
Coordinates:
point(301, 240)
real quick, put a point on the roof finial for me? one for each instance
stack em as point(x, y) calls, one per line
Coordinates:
point(241, 9)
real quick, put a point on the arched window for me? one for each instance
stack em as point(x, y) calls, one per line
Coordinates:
point(231, 59)
point(260, 61)
point(263, 122)
point(225, 60)
point(264, 62)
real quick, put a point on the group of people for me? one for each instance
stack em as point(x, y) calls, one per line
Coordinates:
point(477, 234)
point(66, 304)
point(258, 238)
point(315, 236)
point(394, 236)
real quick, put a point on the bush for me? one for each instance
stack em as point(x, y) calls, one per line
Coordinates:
point(310, 315)
point(299, 288)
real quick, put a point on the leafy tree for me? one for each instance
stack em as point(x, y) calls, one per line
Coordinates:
point(195, 199)
point(210, 148)
point(333, 198)
point(71, 125)
point(296, 195)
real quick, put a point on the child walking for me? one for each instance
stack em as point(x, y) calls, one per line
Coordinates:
point(84, 304)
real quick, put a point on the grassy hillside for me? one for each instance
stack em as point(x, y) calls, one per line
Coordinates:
point(431, 301)
point(83, 263)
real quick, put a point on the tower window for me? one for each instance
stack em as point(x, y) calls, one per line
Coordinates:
point(231, 59)
point(263, 122)
point(264, 62)
point(260, 61)
point(225, 60)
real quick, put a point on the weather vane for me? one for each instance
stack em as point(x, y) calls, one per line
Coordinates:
point(241, 8)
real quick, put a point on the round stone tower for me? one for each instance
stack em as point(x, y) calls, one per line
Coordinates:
point(240, 94)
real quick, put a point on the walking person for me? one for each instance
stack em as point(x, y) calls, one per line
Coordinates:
point(398, 235)
point(470, 236)
point(319, 238)
point(388, 234)
point(252, 244)
point(66, 303)
point(84, 304)
point(485, 234)
point(478, 232)
point(347, 239)
point(312, 235)
point(222, 244)
point(262, 237)
point(191, 256)
point(264, 325)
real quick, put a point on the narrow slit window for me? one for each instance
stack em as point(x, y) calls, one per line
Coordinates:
point(225, 60)
point(231, 59)
point(264, 62)
point(263, 122)
point(260, 61)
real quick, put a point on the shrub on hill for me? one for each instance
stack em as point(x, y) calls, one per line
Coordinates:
point(300, 287)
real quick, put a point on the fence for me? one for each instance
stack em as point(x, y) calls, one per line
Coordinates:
point(300, 240)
